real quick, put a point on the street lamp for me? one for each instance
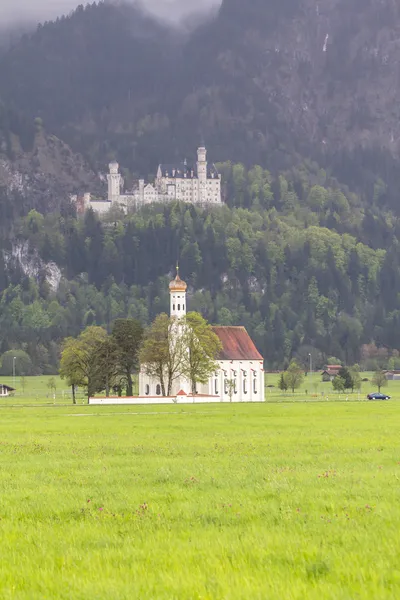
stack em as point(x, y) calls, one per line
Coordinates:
point(14, 359)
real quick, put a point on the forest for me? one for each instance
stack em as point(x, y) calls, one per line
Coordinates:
point(296, 258)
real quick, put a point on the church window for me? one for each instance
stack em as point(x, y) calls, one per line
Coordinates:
point(255, 383)
point(147, 392)
point(183, 307)
point(179, 307)
point(225, 386)
point(174, 306)
point(158, 390)
point(216, 386)
point(244, 383)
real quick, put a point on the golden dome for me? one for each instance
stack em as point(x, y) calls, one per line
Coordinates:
point(177, 285)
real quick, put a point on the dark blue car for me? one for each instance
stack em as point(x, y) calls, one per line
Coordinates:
point(378, 396)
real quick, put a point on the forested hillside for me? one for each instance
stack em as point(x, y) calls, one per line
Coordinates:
point(304, 253)
point(296, 259)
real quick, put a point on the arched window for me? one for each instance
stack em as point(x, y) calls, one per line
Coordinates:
point(174, 306)
point(225, 386)
point(147, 390)
point(244, 383)
point(255, 383)
point(216, 386)
point(158, 390)
point(179, 307)
point(183, 307)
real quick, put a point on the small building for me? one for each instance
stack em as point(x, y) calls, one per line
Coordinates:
point(393, 375)
point(5, 390)
point(330, 372)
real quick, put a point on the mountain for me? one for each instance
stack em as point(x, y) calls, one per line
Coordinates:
point(262, 81)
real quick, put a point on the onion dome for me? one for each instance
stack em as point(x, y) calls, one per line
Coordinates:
point(177, 285)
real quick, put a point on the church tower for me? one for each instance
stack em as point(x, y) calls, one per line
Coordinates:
point(114, 182)
point(177, 290)
point(202, 173)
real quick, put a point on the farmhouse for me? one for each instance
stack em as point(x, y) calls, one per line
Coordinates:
point(5, 390)
point(330, 372)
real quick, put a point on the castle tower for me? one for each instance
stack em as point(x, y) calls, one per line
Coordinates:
point(114, 182)
point(202, 173)
point(177, 290)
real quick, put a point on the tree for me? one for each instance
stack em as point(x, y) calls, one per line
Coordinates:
point(283, 385)
point(80, 365)
point(379, 379)
point(230, 384)
point(128, 335)
point(355, 378)
point(107, 364)
point(162, 354)
point(18, 360)
point(294, 376)
point(203, 347)
point(345, 374)
point(338, 384)
point(51, 384)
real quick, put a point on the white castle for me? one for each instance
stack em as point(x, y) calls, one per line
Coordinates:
point(195, 184)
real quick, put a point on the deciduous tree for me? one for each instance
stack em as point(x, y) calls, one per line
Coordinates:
point(162, 354)
point(202, 348)
point(379, 379)
point(128, 335)
point(294, 376)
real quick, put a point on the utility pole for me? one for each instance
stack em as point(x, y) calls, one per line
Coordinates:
point(14, 359)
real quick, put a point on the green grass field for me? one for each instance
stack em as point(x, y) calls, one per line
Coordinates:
point(35, 391)
point(269, 501)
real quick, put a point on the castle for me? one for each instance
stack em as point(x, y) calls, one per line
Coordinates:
point(196, 184)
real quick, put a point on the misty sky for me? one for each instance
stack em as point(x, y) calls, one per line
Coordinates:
point(27, 10)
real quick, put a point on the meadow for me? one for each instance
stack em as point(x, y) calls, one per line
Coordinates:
point(269, 501)
point(35, 391)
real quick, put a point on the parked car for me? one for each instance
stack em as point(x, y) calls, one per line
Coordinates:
point(378, 396)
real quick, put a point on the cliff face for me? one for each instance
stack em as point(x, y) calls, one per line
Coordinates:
point(262, 81)
point(328, 70)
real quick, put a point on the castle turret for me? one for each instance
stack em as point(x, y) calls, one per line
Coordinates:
point(202, 173)
point(114, 182)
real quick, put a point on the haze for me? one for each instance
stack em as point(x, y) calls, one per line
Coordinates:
point(22, 11)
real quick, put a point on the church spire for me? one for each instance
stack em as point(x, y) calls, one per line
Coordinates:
point(177, 290)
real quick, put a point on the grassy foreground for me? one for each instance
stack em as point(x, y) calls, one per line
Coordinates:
point(273, 501)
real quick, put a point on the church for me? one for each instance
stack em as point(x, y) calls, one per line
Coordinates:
point(198, 183)
point(240, 374)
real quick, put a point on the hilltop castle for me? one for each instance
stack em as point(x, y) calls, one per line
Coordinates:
point(196, 184)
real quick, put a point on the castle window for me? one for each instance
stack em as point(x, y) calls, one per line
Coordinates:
point(158, 390)
point(147, 390)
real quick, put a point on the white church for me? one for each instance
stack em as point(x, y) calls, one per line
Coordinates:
point(196, 184)
point(240, 374)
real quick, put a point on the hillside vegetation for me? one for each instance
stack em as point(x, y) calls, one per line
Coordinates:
point(297, 259)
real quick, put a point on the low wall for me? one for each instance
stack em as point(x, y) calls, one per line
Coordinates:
point(155, 400)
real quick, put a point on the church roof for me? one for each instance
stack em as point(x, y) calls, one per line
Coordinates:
point(179, 170)
point(236, 344)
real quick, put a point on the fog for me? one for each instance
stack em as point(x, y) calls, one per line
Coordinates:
point(22, 11)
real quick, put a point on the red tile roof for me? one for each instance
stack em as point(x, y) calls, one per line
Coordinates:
point(236, 344)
